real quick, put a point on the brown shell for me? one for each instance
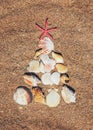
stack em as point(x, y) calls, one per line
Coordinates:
point(64, 78)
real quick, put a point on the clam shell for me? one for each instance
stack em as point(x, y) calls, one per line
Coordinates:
point(46, 44)
point(38, 94)
point(46, 79)
point(38, 52)
point(31, 78)
point(22, 95)
point(58, 57)
point(33, 66)
point(68, 94)
point(61, 68)
point(64, 78)
point(55, 77)
point(53, 98)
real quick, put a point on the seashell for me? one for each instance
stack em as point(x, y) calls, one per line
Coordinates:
point(38, 53)
point(61, 68)
point(64, 78)
point(33, 66)
point(58, 57)
point(55, 77)
point(31, 78)
point(41, 67)
point(68, 94)
point(53, 98)
point(38, 94)
point(46, 79)
point(46, 44)
point(44, 58)
point(22, 95)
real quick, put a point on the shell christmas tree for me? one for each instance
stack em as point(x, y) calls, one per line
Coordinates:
point(47, 68)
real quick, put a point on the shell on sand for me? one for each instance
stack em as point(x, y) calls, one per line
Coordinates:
point(55, 77)
point(68, 94)
point(31, 78)
point(46, 44)
point(64, 78)
point(41, 67)
point(38, 52)
point(53, 98)
point(61, 68)
point(58, 57)
point(38, 94)
point(22, 95)
point(46, 79)
point(33, 66)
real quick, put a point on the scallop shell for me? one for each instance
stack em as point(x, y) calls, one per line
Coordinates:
point(31, 78)
point(64, 78)
point(46, 44)
point(68, 94)
point(38, 94)
point(46, 79)
point(55, 77)
point(53, 98)
point(38, 52)
point(58, 57)
point(22, 95)
point(33, 66)
point(61, 68)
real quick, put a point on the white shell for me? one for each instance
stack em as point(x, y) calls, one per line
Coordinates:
point(46, 44)
point(55, 77)
point(33, 66)
point(46, 79)
point(68, 94)
point(22, 95)
point(42, 67)
point(53, 98)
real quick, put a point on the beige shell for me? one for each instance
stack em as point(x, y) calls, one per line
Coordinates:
point(68, 94)
point(64, 78)
point(53, 98)
point(38, 52)
point(58, 57)
point(33, 66)
point(41, 67)
point(46, 44)
point(38, 94)
point(22, 95)
point(31, 78)
point(61, 68)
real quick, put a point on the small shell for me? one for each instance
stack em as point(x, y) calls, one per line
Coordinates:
point(64, 78)
point(42, 67)
point(33, 66)
point(46, 44)
point(55, 77)
point(31, 78)
point(38, 53)
point(38, 94)
point(46, 79)
point(44, 58)
point(22, 95)
point(53, 98)
point(68, 94)
point(58, 57)
point(61, 68)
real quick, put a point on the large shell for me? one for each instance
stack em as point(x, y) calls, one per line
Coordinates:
point(55, 77)
point(38, 52)
point(46, 79)
point(58, 57)
point(31, 78)
point(53, 98)
point(64, 78)
point(61, 68)
point(38, 94)
point(22, 95)
point(68, 94)
point(33, 66)
point(46, 44)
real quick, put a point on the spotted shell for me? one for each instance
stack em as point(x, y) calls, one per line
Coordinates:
point(61, 68)
point(31, 78)
point(22, 95)
point(53, 98)
point(68, 94)
point(58, 57)
point(38, 94)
